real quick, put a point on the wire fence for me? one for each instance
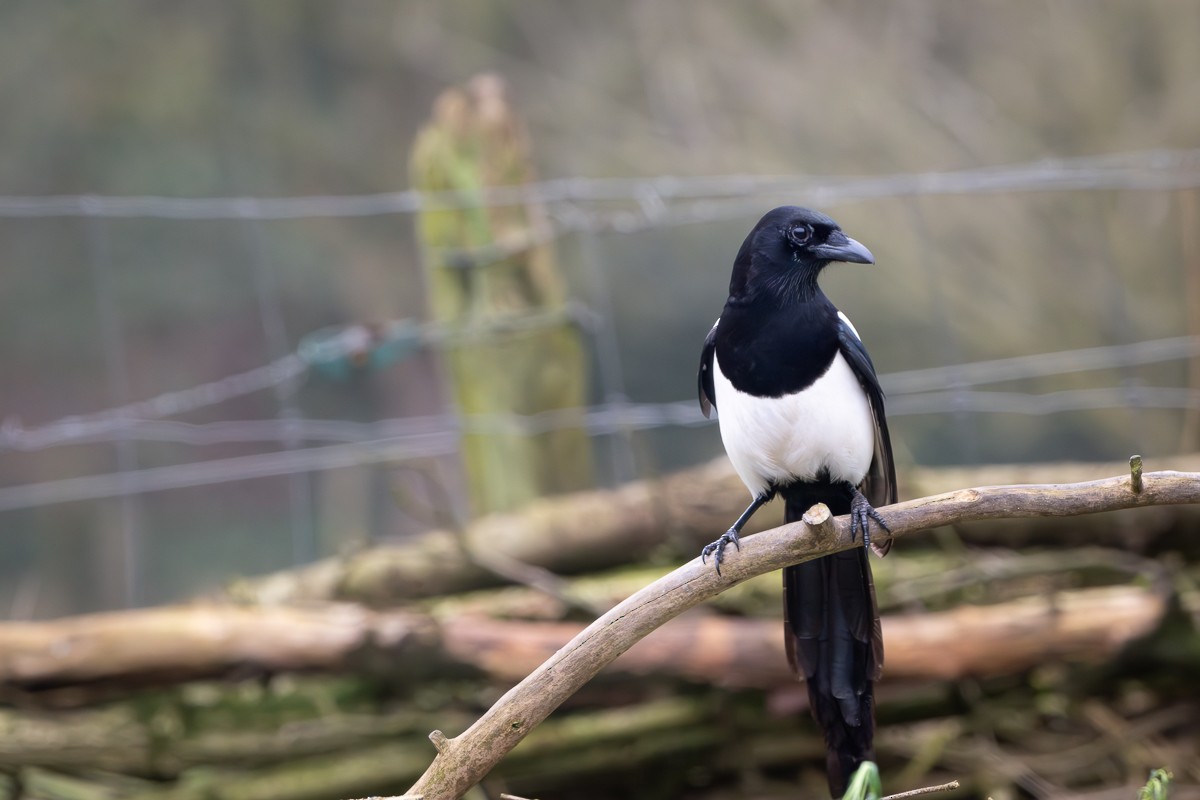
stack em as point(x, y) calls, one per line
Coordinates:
point(344, 443)
point(1150, 170)
point(575, 206)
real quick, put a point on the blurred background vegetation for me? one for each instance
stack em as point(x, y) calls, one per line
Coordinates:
point(272, 99)
point(292, 99)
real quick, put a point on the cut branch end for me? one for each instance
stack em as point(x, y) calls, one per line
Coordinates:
point(817, 516)
point(440, 741)
point(1135, 474)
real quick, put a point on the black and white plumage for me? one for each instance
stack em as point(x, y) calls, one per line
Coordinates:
point(801, 415)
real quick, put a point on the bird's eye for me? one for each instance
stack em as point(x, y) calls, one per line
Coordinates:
point(800, 234)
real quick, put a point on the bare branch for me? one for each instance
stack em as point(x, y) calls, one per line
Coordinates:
point(941, 787)
point(464, 760)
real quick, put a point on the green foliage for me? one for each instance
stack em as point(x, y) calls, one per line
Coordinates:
point(864, 783)
point(1157, 786)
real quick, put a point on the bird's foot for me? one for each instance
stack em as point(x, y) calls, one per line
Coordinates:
point(717, 549)
point(861, 514)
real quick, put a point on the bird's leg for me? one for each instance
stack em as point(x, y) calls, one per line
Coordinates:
point(717, 549)
point(861, 514)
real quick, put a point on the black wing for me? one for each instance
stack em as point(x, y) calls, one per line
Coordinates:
point(879, 486)
point(708, 392)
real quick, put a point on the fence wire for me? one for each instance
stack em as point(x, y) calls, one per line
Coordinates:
point(333, 444)
point(1150, 170)
point(910, 392)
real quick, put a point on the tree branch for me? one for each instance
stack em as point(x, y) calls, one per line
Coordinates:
point(465, 759)
point(941, 787)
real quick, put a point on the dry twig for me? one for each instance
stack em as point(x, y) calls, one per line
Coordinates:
point(941, 787)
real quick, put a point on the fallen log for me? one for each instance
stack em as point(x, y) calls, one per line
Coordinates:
point(593, 530)
point(137, 648)
point(175, 643)
point(714, 734)
point(144, 737)
point(1090, 625)
point(920, 578)
point(584, 531)
point(563, 750)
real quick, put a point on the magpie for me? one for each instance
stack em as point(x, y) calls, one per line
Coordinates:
point(801, 416)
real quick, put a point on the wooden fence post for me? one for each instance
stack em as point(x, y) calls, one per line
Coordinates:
point(492, 281)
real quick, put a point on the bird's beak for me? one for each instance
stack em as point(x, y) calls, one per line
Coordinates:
point(840, 247)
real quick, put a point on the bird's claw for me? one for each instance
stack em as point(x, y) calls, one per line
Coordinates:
point(861, 514)
point(717, 549)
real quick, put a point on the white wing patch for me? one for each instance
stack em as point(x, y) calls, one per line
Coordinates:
point(849, 325)
point(828, 426)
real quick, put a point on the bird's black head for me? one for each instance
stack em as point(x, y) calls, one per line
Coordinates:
point(786, 252)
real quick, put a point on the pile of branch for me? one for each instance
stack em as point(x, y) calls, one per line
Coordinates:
point(326, 682)
point(198, 642)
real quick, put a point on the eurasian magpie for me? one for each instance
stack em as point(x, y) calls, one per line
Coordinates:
point(801, 415)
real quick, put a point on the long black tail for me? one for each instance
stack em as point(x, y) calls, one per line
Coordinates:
point(833, 639)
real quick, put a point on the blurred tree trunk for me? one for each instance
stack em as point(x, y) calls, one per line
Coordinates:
point(488, 269)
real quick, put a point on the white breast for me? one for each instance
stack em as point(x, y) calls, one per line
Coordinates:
point(828, 426)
